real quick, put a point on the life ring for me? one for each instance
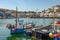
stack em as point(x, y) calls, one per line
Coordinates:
point(56, 35)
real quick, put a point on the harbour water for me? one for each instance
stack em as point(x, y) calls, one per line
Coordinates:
point(5, 33)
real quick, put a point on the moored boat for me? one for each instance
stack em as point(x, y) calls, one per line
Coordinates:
point(18, 27)
point(28, 30)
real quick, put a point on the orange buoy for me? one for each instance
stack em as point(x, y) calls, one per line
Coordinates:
point(56, 35)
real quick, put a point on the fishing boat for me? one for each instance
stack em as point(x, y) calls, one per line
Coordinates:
point(29, 27)
point(28, 30)
point(41, 33)
point(18, 27)
point(50, 32)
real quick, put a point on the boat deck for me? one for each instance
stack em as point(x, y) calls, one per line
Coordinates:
point(42, 33)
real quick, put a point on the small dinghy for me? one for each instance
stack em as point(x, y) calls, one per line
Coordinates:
point(28, 30)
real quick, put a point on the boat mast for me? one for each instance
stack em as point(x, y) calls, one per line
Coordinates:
point(16, 16)
point(54, 18)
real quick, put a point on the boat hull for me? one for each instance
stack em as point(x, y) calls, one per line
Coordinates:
point(28, 33)
point(17, 31)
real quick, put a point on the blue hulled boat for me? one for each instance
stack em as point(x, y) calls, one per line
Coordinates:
point(18, 27)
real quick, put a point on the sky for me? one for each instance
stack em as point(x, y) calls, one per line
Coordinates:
point(28, 5)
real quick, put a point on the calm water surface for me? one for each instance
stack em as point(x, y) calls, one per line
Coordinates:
point(5, 33)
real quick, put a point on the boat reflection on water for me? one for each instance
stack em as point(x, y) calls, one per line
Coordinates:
point(18, 37)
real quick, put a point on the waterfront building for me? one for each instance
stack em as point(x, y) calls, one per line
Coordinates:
point(41, 14)
point(8, 14)
point(53, 11)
